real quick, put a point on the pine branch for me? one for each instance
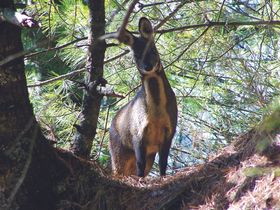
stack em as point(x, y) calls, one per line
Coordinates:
point(72, 73)
point(222, 24)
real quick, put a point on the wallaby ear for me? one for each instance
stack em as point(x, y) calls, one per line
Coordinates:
point(145, 28)
point(127, 38)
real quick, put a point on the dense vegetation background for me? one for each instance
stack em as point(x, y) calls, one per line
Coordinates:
point(221, 58)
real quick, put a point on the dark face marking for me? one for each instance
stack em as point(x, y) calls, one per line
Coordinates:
point(145, 54)
point(154, 88)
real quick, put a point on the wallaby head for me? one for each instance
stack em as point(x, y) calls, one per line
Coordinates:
point(144, 50)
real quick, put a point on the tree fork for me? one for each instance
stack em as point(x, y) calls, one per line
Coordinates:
point(86, 131)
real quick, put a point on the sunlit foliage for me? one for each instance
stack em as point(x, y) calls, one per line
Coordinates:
point(223, 75)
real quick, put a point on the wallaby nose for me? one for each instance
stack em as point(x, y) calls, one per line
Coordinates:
point(146, 66)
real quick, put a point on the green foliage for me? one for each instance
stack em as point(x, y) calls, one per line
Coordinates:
point(224, 77)
point(261, 171)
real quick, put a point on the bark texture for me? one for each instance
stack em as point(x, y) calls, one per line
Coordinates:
point(18, 127)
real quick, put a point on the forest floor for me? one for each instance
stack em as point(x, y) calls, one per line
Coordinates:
point(241, 176)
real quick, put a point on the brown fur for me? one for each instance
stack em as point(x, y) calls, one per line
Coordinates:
point(146, 125)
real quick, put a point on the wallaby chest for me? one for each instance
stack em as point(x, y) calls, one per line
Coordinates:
point(158, 120)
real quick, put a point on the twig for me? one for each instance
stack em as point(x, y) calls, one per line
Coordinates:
point(119, 34)
point(170, 15)
point(114, 13)
point(28, 53)
point(17, 18)
point(220, 12)
point(104, 132)
point(57, 78)
point(72, 73)
point(55, 48)
point(188, 47)
point(199, 73)
point(213, 24)
point(126, 18)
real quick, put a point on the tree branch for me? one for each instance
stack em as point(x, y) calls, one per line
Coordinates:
point(72, 73)
point(214, 24)
point(173, 13)
point(119, 34)
point(17, 18)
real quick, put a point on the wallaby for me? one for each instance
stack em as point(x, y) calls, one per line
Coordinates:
point(146, 125)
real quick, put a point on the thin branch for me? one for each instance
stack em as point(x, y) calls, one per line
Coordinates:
point(170, 15)
point(55, 48)
point(188, 47)
point(57, 78)
point(119, 34)
point(221, 9)
point(222, 24)
point(142, 5)
point(128, 13)
point(28, 53)
point(115, 35)
point(115, 12)
point(72, 73)
point(200, 70)
point(17, 18)
point(104, 133)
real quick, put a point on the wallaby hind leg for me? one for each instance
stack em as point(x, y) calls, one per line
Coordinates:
point(123, 161)
point(129, 167)
point(163, 156)
point(140, 154)
point(149, 163)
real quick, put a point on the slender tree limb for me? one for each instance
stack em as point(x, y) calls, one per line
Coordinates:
point(142, 5)
point(173, 12)
point(119, 34)
point(17, 18)
point(188, 47)
point(222, 24)
point(115, 35)
point(31, 53)
point(115, 12)
point(72, 73)
point(126, 18)
point(170, 15)
point(56, 48)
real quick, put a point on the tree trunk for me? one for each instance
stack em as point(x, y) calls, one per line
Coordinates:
point(86, 131)
point(18, 128)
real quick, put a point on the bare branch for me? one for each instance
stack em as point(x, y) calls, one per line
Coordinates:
point(188, 47)
point(173, 13)
point(30, 52)
point(55, 48)
point(126, 18)
point(170, 15)
point(222, 24)
point(17, 18)
point(119, 34)
point(72, 73)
